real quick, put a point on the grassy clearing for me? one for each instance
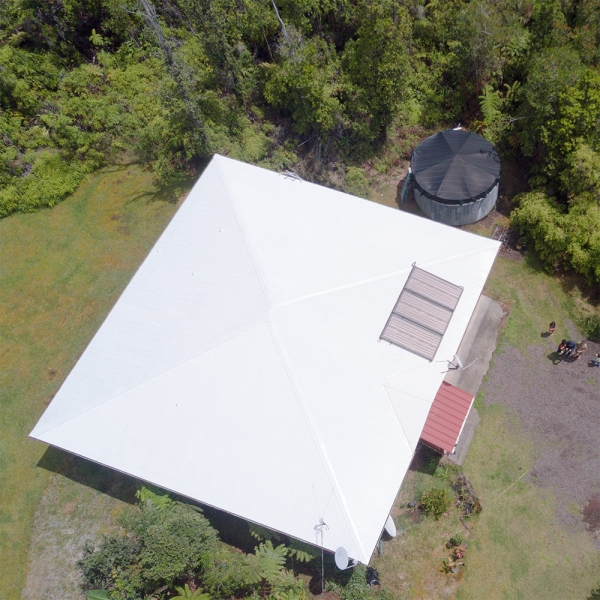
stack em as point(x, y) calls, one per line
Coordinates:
point(80, 502)
point(519, 550)
point(410, 566)
point(534, 299)
point(62, 270)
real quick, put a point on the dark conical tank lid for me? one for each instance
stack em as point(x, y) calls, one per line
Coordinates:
point(455, 166)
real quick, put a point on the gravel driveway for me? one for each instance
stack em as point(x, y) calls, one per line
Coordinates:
point(558, 402)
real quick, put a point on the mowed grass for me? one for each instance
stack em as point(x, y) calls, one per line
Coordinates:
point(411, 563)
point(534, 299)
point(61, 272)
point(519, 550)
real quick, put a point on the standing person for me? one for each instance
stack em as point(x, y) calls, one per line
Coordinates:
point(580, 349)
point(551, 328)
point(596, 361)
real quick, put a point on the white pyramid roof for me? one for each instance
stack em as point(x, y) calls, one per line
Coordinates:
point(242, 366)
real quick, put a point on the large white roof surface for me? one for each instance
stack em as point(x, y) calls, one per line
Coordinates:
point(242, 366)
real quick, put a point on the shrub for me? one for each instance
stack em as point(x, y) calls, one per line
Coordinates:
point(436, 502)
point(560, 237)
point(175, 543)
point(114, 554)
point(161, 543)
point(590, 326)
point(355, 589)
point(594, 594)
point(457, 539)
point(357, 183)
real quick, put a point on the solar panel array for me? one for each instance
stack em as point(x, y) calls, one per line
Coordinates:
point(422, 313)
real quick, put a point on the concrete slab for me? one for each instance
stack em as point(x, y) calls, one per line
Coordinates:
point(478, 344)
point(465, 439)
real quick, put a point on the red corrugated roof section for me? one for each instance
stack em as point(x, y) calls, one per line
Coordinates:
point(446, 417)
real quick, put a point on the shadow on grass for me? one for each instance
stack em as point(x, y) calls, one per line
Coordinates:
point(533, 262)
point(425, 460)
point(569, 280)
point(233, 530)
point(91, 474)
point(171, 189)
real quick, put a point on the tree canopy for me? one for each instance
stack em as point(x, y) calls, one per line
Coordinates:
point(319, 85)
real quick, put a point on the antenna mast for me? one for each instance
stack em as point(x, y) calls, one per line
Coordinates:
point(320, 530)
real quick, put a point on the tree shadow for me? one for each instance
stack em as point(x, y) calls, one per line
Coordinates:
point(533, 262)
point(571, 281)
point(172, 190)
point(410, 205)
point(513, 181)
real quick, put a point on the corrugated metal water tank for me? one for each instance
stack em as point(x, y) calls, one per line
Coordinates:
point(456, 175)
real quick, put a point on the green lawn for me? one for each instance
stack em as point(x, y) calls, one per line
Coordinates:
point(61, 272)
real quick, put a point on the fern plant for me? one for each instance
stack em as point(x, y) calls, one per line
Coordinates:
point(147, 496)
point(299, 550)
point(185, 593)
point(262, 533)
point(266, 563)
point(302, 552)
point(490, 103)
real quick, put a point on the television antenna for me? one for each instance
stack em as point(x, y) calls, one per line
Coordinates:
point(457, 365)
point(320, 529)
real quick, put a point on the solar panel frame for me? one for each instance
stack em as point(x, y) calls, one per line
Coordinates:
point(422, 313)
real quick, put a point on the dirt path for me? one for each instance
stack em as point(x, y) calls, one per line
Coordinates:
point(558, 403)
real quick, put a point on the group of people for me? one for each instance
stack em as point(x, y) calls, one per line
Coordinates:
point(571, 349)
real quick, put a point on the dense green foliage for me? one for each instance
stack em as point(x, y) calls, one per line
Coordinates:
point(562, 235)
point(594, 594)
point(165, 546)
point(318, 85)
point(357, 588)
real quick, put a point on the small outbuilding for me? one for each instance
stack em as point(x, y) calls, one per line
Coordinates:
point(455, 176)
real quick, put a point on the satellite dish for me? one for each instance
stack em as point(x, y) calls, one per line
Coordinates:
point(458, 361)
point(341, 558)
point(390, 526)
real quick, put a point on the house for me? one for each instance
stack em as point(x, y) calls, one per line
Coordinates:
point(250, 363)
